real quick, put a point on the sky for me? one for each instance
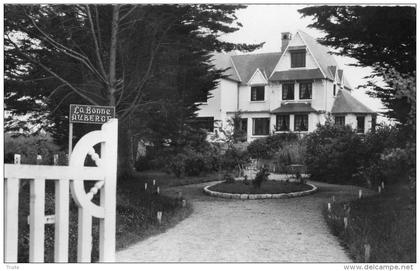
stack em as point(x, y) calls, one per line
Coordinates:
point(265, 23)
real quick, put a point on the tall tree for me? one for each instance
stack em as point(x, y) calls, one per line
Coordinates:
point(383, 38)
point(140, 58)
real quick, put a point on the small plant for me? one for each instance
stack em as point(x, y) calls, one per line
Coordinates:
point(229, 178)
point(262, 176)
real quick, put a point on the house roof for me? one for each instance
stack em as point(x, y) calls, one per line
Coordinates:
point(323, 56)
point(346, 103)
point(289, 75)
point(246, 65)
point(294, 108)
point(223, 61)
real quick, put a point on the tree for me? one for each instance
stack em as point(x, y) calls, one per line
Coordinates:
point(139, 58)
point(383, 38)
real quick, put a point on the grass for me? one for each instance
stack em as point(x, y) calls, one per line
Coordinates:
point(268, 187)
point(387, 222)
point(136, 215)
point(166, 180)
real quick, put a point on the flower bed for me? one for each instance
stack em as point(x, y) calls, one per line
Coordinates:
point(270, 189)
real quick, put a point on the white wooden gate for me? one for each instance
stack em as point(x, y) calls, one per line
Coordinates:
point(73, 175)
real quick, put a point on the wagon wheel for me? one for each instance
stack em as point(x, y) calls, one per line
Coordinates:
point(82, 149)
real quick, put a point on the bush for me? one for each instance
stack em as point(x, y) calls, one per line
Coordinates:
point(235, 157)
point(333, 154)
point(191, 162)
point(31, 146)
point(265, 148)
point(293, 153)
point(262, 176)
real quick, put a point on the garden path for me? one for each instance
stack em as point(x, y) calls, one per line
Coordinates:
point(227, 230)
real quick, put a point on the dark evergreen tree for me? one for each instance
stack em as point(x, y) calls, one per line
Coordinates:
point(150, 61)
point(383, 38)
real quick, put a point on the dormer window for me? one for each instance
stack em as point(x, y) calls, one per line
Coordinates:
point(298, 58)
point(257, 93)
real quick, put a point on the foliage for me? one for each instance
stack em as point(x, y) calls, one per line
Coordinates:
point(387, 222)
point(265, 148)
point(292, 153)
point(260, 177)
point(333, 153)
point(61, 54)
point(383, 38)
point(236, 156)
point(31, 146)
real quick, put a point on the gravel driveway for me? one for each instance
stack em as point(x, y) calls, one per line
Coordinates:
point(228, 230)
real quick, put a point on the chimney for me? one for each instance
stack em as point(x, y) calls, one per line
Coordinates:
point(285, 38)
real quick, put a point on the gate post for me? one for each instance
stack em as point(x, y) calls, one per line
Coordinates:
point(107, 225)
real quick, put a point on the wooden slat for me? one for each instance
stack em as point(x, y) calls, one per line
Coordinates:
point(61, 241)
point(52, 172)
point(84, 239)
point(36, 220)
point(11, 220)
point(108, 193)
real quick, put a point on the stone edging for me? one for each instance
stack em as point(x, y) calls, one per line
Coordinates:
point(259, 196)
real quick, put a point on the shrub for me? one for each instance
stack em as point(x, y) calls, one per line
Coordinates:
point(191, 162)
point(31, 146)
point(236, 156)
point(293, 153)
point(262, 176)
point(395, 165)
point(333, 154)
point(265, 148)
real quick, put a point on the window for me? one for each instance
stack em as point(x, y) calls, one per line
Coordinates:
point(257, 93)
point(360, 124)
point(243, 126)
point(301, 122)
point(282, 123)
point(334, 89)
point(340, 120)
point(373, 123)
point(261, 126)
point(288, 91)
point(206, 123)
point(305, 90)
point(298, 59)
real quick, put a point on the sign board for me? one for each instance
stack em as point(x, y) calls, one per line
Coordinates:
point(93, 114)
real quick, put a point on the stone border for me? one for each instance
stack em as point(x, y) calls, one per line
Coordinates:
point(212, 193)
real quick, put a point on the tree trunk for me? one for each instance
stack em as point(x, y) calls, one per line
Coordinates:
point(125, 151)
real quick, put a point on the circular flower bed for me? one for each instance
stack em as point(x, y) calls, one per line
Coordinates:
point(269, 189)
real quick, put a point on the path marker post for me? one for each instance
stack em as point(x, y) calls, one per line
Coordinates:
point(145, 186)
point(346, 222)
point(360, 193)
point(159, 217)
point(367, 252)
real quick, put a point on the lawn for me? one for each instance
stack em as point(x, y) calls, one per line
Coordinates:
point(386, 222)
point(268, 187)
point(136, 213)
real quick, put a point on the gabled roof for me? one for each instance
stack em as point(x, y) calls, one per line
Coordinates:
point(223, 61)
point(294, 108)
point(346, 103)
point(246, 65)
point(292, 75)
point(323, 57)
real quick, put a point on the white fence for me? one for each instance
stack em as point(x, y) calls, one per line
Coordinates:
point(74, 175)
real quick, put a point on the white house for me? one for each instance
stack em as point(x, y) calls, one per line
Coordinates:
point(291, 90)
